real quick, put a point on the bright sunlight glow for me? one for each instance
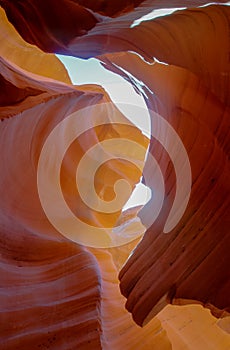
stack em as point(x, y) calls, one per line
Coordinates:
point(154, 14)
point(120, 91)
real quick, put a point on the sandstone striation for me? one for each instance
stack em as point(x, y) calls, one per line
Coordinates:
point(90, 283)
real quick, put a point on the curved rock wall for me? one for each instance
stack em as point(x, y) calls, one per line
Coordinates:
point(59, 288)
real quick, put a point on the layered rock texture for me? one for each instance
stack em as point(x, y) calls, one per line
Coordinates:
point(77, 271)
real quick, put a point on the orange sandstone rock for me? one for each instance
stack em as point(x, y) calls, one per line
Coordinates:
point(166, 267)
point(56, 293)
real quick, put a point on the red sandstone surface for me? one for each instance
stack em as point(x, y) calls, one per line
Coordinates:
point(56, 293)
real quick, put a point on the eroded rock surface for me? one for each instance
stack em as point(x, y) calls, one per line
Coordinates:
point(57, 293)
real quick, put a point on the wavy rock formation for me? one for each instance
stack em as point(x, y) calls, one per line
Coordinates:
point(189, 253)
point(59, 284)
point(52, 289)
point(27, 56)
point(39, 269)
